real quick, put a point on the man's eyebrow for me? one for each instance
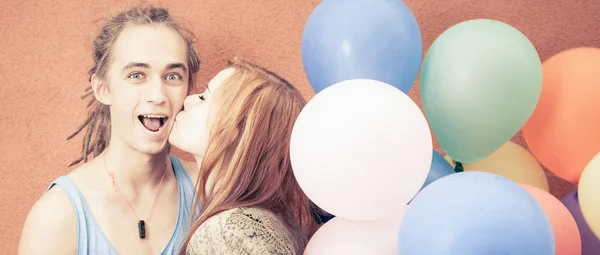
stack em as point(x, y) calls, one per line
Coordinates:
point(177, 65)
point(135, 64)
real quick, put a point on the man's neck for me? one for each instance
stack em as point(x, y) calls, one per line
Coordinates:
point(133, 170)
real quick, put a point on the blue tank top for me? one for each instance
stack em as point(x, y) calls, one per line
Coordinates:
point(91, 240)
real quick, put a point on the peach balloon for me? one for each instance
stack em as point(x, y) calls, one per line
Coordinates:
point(562, 132)
point(513, 162)
point(566, 233)
point(340, 236)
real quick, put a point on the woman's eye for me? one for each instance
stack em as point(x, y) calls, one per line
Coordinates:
point(136, 76)
point(174, 76)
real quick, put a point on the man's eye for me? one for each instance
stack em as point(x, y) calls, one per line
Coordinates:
point(174, 76)
point(136, 76)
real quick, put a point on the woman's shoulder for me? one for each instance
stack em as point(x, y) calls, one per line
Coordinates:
point(251, 222)
point(252, 217)
point(247, 230)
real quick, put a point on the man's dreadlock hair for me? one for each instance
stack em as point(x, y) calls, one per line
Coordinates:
point(98, 118)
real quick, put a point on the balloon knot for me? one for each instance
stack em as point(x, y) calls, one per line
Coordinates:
point(458, 167)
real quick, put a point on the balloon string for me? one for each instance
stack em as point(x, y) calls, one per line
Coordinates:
point(458, 167)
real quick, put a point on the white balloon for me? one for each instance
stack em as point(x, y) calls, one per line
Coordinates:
point(361, 149)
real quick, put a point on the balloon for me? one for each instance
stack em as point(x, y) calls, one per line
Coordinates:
point(566, 232)
point(362, 39)
point(590, 244)
point(475, 213)
point(439, 168)
point(320, 215)
point(480, 82)
point(589, 194)
point(513, 162)
point(361, 149)
point(563, 132)
point(342, 236)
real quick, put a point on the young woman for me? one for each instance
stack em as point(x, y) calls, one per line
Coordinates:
point(131, 198)
point(239, 132)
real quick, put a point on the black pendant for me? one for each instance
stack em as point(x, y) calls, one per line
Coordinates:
point(142, 229)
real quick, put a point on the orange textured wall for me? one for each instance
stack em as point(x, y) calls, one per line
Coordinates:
point(45, 53)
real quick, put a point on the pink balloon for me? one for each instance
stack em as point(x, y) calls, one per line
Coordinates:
point(361, 149)
point(341, 236)
point(564, 226)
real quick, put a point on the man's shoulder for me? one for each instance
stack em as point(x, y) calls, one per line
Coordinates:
point(51, 225)
point(191, 168)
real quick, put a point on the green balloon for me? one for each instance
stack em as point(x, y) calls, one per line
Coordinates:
point(480, 82)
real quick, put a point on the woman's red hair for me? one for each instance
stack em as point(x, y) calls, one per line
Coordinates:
point(248, 152)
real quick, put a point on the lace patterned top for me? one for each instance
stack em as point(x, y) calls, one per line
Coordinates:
point(243, 230)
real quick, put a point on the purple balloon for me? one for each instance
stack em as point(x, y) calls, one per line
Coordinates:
point(590, 245)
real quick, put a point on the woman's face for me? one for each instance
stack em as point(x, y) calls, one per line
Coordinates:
point(191, 127)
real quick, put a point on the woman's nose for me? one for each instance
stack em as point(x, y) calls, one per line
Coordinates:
point(192, 99)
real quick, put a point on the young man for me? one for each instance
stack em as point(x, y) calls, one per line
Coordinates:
point(132, 197)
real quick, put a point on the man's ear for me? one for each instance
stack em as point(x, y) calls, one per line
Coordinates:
point(101, 91)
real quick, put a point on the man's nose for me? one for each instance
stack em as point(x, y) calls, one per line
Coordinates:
point(156, 95)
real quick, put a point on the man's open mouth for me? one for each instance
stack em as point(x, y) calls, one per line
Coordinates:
point(153, 122)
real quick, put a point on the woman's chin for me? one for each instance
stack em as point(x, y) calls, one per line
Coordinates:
point(175, 140)
point(185, 145)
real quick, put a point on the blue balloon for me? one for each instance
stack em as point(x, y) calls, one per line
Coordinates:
point(362, 39)
point(475, 213)
point(439, 168)
point(321, 217)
